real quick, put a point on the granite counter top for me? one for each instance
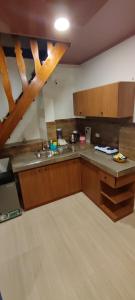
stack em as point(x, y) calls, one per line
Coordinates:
point(103, 161)
point(106, 163)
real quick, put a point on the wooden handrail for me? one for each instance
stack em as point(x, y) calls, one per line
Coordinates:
point(6, 80)
point(21, 64)
point(32, 91)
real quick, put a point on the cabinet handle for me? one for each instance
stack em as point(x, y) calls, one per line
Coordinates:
point(101, 113)
point(80, 112)
point(105, 177)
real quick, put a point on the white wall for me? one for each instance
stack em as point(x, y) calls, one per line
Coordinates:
point(58, 92)
point(116, 64)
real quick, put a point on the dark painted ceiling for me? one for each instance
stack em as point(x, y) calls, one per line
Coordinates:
point(96, 25)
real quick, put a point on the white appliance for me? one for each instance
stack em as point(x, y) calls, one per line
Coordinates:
point(106, 149)
point(88, 135)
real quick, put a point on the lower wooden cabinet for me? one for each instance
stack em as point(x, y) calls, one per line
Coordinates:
point(91, 181)
point(44, 184)
point(115, 196)
point(65, 178)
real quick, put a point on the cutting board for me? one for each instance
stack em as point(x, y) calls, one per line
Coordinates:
point(127, 141)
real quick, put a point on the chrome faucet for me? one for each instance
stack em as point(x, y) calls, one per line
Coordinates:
point(45, 145)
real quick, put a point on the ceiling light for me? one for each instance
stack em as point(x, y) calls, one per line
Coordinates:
point(61, 24)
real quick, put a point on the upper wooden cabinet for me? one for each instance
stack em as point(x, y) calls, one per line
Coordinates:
point(113, 100)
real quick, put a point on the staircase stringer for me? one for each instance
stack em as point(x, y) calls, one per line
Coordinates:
point(31, 91)
point(6, 81)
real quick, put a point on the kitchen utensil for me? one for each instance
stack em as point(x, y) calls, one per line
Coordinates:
point(72, 138)
point(76, 135)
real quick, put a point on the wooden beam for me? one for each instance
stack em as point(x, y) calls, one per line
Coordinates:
point(35, 53)
point(6, 80)
point(32, 91)
point(21, 64)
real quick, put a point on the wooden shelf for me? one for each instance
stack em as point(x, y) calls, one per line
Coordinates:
point(119, 197)
point(119, 213)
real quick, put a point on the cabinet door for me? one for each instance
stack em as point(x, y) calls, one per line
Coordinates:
point(91, 182)
point(45, 184)
point(66, 178)
point(35, 187)
point(109, 100)
point(87, 103)
point(98, 102)
point(126, 99)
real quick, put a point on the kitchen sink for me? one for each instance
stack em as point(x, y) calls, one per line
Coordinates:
point(50, 153)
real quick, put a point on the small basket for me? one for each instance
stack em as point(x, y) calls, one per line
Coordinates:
point(119, 159)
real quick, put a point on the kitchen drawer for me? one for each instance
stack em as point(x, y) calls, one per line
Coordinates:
point(108, 179)
point(125, 180)
point(115, 182)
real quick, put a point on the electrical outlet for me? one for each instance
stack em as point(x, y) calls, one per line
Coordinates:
point(97, 135)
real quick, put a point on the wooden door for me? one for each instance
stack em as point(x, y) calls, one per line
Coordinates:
point(91, 182)
point(35, 187)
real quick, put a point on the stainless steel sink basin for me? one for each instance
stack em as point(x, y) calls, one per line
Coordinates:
point(49, 153)
point(44, 153)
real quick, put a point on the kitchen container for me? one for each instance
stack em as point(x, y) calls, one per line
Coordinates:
point(76, 135)
point(72, 138)
point(59, 133)
point(53, 145)
point(82, 139)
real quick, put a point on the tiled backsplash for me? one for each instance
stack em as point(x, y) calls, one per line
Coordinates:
point(51, 130)
point(113, 132)
point(108, 129)
point(127, 141)
point(20, 147)
point(67, 125)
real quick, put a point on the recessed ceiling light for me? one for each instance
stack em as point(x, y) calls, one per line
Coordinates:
point(61, 24)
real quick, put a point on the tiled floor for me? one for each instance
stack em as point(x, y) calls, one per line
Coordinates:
point(67, 250)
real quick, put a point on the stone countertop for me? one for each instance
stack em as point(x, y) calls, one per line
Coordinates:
point(29, 160)
point(103, 161)
point(106, 163)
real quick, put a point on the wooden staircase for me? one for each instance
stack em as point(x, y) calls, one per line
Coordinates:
point(31, 89)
